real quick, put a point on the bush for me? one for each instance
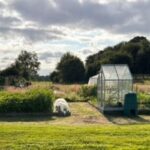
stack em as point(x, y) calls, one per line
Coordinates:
point(143, 98)
point(37, 100)
point(73, 97)
point(144, 101)
point(88, 91)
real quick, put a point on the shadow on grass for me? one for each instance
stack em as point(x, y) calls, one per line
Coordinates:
point(26, 117)
point(121, 119)
point(29, 117)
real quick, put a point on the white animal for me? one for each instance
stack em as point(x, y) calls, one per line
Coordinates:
point(61, 107)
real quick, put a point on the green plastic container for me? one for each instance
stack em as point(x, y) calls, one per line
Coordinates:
point(130, 104)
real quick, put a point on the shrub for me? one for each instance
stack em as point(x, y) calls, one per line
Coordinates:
point(74, 97)
point(143, 98)
point(37, 100)
point(88, 91)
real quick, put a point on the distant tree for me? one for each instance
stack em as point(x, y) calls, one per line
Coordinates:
point(71, 69)
point(55, 77)
point(135, 53)
point(138, 39)
point(12, 70)
point(92, 69)
point(28, 64)
point(121, 58)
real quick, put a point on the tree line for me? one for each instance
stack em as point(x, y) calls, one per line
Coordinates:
point(135, 53)
point(70, 69)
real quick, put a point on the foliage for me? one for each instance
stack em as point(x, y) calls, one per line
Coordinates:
point(26, 66)
point(41, 78)
point(70, 69)
point(71, 92)
point(91, 137)
point(36, 100)
point(55, 77)
point(88, 91)
point(74, 97)
point(144, 98)
point(2, 80)
point(144, 101)
point(135, 53)
point(12, 70)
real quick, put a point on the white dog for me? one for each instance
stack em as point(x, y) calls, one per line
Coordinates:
point(61, 107)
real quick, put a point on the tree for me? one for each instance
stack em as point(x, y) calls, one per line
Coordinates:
point(71, 69)
point(55, 77)
point(121, 58)
point(12, 70)
point(135, 53)
point(28, 64)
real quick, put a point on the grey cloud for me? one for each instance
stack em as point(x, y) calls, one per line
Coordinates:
point(9, 21)
point(9, 28)
point(113, 16)
point(86, 51)
point(5, 59)
point(31, 34)
point(48, 55)
point(1, 5)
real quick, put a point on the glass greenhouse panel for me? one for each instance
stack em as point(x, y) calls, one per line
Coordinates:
point(93, 80)
point(111, 92)
point(114, 81)
point(123, 72)
point(109, 72)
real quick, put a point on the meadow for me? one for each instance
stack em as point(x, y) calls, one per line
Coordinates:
point(86, 128)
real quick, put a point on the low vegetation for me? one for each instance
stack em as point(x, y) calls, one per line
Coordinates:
point(35, 100)
point(44, 137)
point(88, 91)
point(75, 92)
point(144, 100)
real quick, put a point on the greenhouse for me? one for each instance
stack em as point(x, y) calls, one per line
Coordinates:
point(114, 81)
point(93, 80)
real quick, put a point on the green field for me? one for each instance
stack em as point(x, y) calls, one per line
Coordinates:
point(87, 137)
point(85, 129)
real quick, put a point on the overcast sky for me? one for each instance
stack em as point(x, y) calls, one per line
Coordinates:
point(53, 27)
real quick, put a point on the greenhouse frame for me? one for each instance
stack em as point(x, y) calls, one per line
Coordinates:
point(114, 81)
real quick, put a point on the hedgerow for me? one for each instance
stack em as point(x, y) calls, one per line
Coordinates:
point(36, 100)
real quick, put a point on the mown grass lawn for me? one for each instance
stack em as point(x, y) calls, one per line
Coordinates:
point(86, 137)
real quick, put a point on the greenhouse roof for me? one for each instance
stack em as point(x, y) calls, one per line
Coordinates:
point(94, 77)
point(116, 72)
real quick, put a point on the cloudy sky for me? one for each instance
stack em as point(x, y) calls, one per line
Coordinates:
point(53, 27)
